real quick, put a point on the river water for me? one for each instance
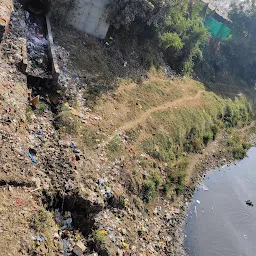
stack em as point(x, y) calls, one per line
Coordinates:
point(219, 222)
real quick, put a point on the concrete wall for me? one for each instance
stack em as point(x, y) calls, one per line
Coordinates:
point(89, 16)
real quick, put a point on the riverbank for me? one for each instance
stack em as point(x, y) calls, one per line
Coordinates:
point(215, 156)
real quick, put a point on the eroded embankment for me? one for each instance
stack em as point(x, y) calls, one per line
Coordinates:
point(115, 176)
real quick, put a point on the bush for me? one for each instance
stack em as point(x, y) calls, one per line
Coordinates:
point(236, 147)
point(157, 180)
point(149, 190)
point(171, 40)
point(139, 14)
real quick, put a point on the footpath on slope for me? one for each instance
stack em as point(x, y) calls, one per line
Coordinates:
point(185, 100)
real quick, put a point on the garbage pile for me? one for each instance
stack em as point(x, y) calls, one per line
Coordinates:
point(37, 46)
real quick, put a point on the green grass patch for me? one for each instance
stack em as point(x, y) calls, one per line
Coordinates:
point(190, 129)
point(151, 186)
point(237, 147)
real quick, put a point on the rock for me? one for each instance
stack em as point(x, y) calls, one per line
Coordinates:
point(79, 248)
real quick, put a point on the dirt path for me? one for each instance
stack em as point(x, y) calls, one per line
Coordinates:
point(176, 103)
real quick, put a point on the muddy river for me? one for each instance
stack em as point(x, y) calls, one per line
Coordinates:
point(219, 222)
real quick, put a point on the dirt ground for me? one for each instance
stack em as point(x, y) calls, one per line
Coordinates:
point(73, 167)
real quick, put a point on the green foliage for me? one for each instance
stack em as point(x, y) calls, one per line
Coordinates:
point(99, 236)
point(134, 13)
point(151, 186)
point(237, 147)
point(176, 176)
point(149, 190)
point(41, 106)
point(225, 58)
point(186, 22)
point(171, 40)
point(175, 25)
point(157, 179)
point(132, 135)
point(191, 129)
point(160, 148)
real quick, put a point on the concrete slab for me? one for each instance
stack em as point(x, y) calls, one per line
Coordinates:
point(52, 54)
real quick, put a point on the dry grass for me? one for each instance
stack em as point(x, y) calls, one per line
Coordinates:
point(17, 209)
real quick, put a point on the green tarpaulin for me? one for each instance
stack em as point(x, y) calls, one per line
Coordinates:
point(217, 29)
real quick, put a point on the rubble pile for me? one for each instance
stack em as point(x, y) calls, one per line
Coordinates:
point(37, 46)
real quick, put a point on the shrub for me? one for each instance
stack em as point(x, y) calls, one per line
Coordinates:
point(149, 190)
point(157, 180)
point(236, 147)
point(171, 40)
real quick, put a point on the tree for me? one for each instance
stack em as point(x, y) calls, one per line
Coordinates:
point(186, 29)
point(240, 49)
point(124, 13)
point(174, 25)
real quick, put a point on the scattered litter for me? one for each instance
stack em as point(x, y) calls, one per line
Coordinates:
point(19, 202)
point(196, 211)
point(203, 186)
point(32, 151)
point(40, 239)
point(245, 237)
point(249, 202)
point(198, 201)
point(79, 248)
point(34, 190)
point(66, 246)
point(32, 158)
point(35, 101)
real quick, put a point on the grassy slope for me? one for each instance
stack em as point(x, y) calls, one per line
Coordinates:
point(160, 121)
point(150, 128)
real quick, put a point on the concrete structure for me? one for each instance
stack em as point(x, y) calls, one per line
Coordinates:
point(89, 16)
point(219, 10)
point(52, 54)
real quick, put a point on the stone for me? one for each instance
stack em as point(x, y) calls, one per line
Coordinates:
point(79, 248)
